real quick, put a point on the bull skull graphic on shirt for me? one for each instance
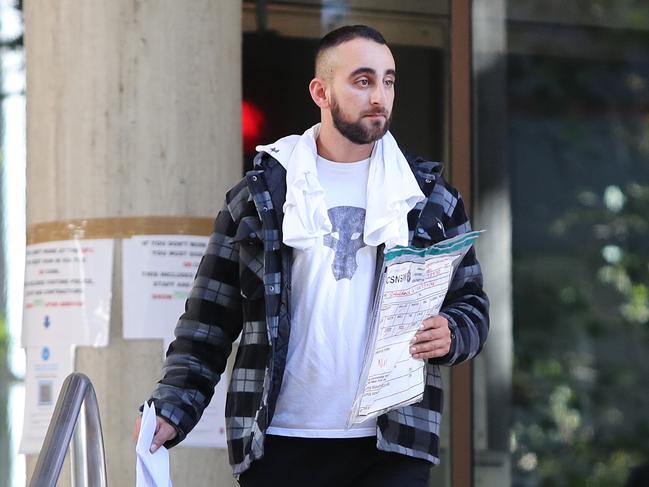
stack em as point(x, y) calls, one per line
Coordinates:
point(345, 239)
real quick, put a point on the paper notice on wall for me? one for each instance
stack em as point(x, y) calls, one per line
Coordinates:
point(67, 293)
point(158, 273)
point(47, 368)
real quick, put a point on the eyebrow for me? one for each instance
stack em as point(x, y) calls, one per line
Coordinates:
point(365, 70)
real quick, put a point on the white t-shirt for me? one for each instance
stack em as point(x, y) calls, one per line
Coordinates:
point(332, 284)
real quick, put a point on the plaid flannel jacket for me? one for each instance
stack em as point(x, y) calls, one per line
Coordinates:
point(243, 287)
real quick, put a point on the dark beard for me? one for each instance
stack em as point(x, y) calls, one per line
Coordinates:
point(355, 132)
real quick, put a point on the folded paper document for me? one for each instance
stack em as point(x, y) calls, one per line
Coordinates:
point(412, 287)
point(151, 469)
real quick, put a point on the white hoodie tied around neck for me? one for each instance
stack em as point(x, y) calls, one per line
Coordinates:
point(392, 191)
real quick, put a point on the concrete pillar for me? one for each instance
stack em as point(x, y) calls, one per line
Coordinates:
point(133, 109)
point(493, 368)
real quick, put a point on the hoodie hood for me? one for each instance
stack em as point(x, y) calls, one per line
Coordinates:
point(281, 149)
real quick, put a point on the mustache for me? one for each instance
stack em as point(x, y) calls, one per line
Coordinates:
point(380, 111)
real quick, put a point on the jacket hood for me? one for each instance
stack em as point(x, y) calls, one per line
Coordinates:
point(281, 149)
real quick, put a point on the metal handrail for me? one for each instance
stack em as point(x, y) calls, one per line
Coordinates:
point(87, 455)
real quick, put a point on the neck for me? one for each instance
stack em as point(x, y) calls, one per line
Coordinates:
point(332, 145)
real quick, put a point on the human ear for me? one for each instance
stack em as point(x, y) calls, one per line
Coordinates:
point(318, 91)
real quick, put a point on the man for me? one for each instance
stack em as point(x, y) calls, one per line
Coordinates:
point(291, 267)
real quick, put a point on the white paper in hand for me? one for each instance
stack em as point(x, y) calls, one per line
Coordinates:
point(152, 469)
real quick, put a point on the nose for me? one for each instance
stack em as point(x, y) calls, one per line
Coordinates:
point(378, 95)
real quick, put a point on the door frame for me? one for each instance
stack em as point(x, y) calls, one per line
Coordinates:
point(461, 157)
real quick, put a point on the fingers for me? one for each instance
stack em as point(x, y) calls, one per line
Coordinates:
point(431, 335)
point(431, 349)
point(433, 328)
point(163, 433)
point(433, 339)
point(434, 322)
point(136, 428)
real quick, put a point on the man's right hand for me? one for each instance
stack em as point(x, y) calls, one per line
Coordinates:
point(163, 432)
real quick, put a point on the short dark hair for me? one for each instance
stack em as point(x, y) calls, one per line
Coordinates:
point(347, 33)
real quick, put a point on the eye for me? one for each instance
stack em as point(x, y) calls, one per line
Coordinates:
point(389, 82)
point(364, 82)
point(356, 235)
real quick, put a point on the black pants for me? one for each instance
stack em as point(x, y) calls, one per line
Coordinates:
point(324, 462)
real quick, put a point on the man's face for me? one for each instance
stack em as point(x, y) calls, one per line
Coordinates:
point(362, 90)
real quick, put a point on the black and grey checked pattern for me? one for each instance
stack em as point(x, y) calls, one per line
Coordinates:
point(243, 287)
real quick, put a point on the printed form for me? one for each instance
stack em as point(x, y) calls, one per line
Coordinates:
point(413, 285)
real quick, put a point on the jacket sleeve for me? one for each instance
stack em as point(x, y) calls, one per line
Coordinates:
point(466, 306)
point(204, 333)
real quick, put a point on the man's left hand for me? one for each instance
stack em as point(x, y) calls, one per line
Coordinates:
point(433, 339)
